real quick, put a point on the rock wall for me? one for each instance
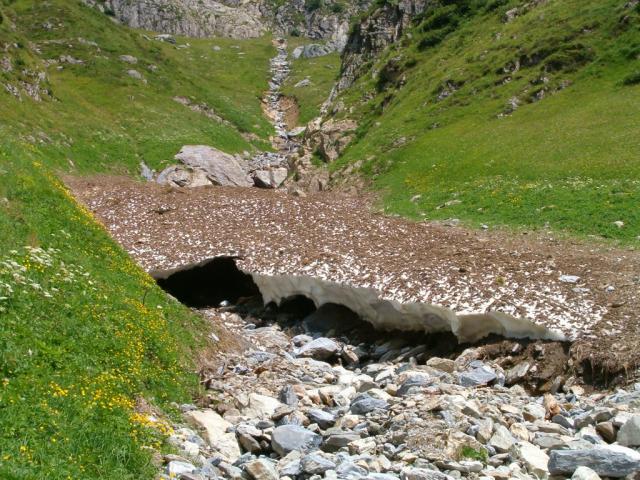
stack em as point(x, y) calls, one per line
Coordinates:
point(328, 21)
point(374, 33)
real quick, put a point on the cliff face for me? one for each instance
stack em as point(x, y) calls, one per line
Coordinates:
point(193, 18)
point(374, 33)
point(328, 20)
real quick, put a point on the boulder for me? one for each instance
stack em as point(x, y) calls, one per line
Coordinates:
point(289, 438)
point(261, 406)
point(534, 459)
point(262, 469)
point(322, 418)
point(319, 349)
point(217, 436)
point(219, 168)
point(272, 178)
point(502, 440)
point(478, 376)
point(585, 473)
point(629, 434)
point(316, 464)
point(365, 403)
point(608, 461)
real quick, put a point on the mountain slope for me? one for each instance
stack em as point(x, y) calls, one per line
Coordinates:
point(92, 352)
point(500, 112)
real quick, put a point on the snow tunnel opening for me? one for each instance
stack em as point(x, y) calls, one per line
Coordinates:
point(218, 286)
point(208, 284)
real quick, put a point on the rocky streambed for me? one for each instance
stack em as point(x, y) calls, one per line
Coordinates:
point(202, 165)
point(314, 393)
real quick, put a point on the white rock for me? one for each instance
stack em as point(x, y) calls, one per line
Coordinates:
point(176, 468)
point(502, 440)
point(261, 406)
point(585, 473)
point(534, 459)
point(629, 434)
point(216, 433)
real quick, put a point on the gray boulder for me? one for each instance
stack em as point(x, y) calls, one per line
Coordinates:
point(475, 377)
point(289, 438)
point(322, 418)
point(319, 349)
point(608, 461)
point(316, 464)
point(629, 434)
point(364, 404)
point(219, 168)
point(271, 178)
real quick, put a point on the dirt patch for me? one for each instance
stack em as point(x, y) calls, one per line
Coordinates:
point(291, 110)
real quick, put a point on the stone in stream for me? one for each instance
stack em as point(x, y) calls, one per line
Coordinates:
point(608, 461)
point(288, 438)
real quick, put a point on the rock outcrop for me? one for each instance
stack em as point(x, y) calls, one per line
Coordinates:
point(193, 18)
point(203, 165)
point(328, 21)
point(374, 33)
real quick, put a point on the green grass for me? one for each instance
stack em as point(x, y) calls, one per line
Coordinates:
point(321, 71)
point(568, 161)
point(86, 337)
point(101, 119)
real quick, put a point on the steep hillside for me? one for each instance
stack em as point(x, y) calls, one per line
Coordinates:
point(92, 353)
point(499, 112)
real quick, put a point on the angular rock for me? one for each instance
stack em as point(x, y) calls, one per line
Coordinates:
point(336, 441)
point(481, 375)
point(534, 459)
point(629, 434)
point(219, 167)
point(216, 433)
point(322, 418)
point(261, 406)
point(261, 469)
point(442, 364)
point(288, 438)
point(272, 178)
point(316, 464)
point(412, 473)
point(608, 461)
point(319, 349)
point(177, 468)
point(365, 403)
point(517, 373)
point(502, 440)
point(585, 473)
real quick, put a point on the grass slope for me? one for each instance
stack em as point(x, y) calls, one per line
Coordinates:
point(322, 72)
point(442, 128)
point(89, 346)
